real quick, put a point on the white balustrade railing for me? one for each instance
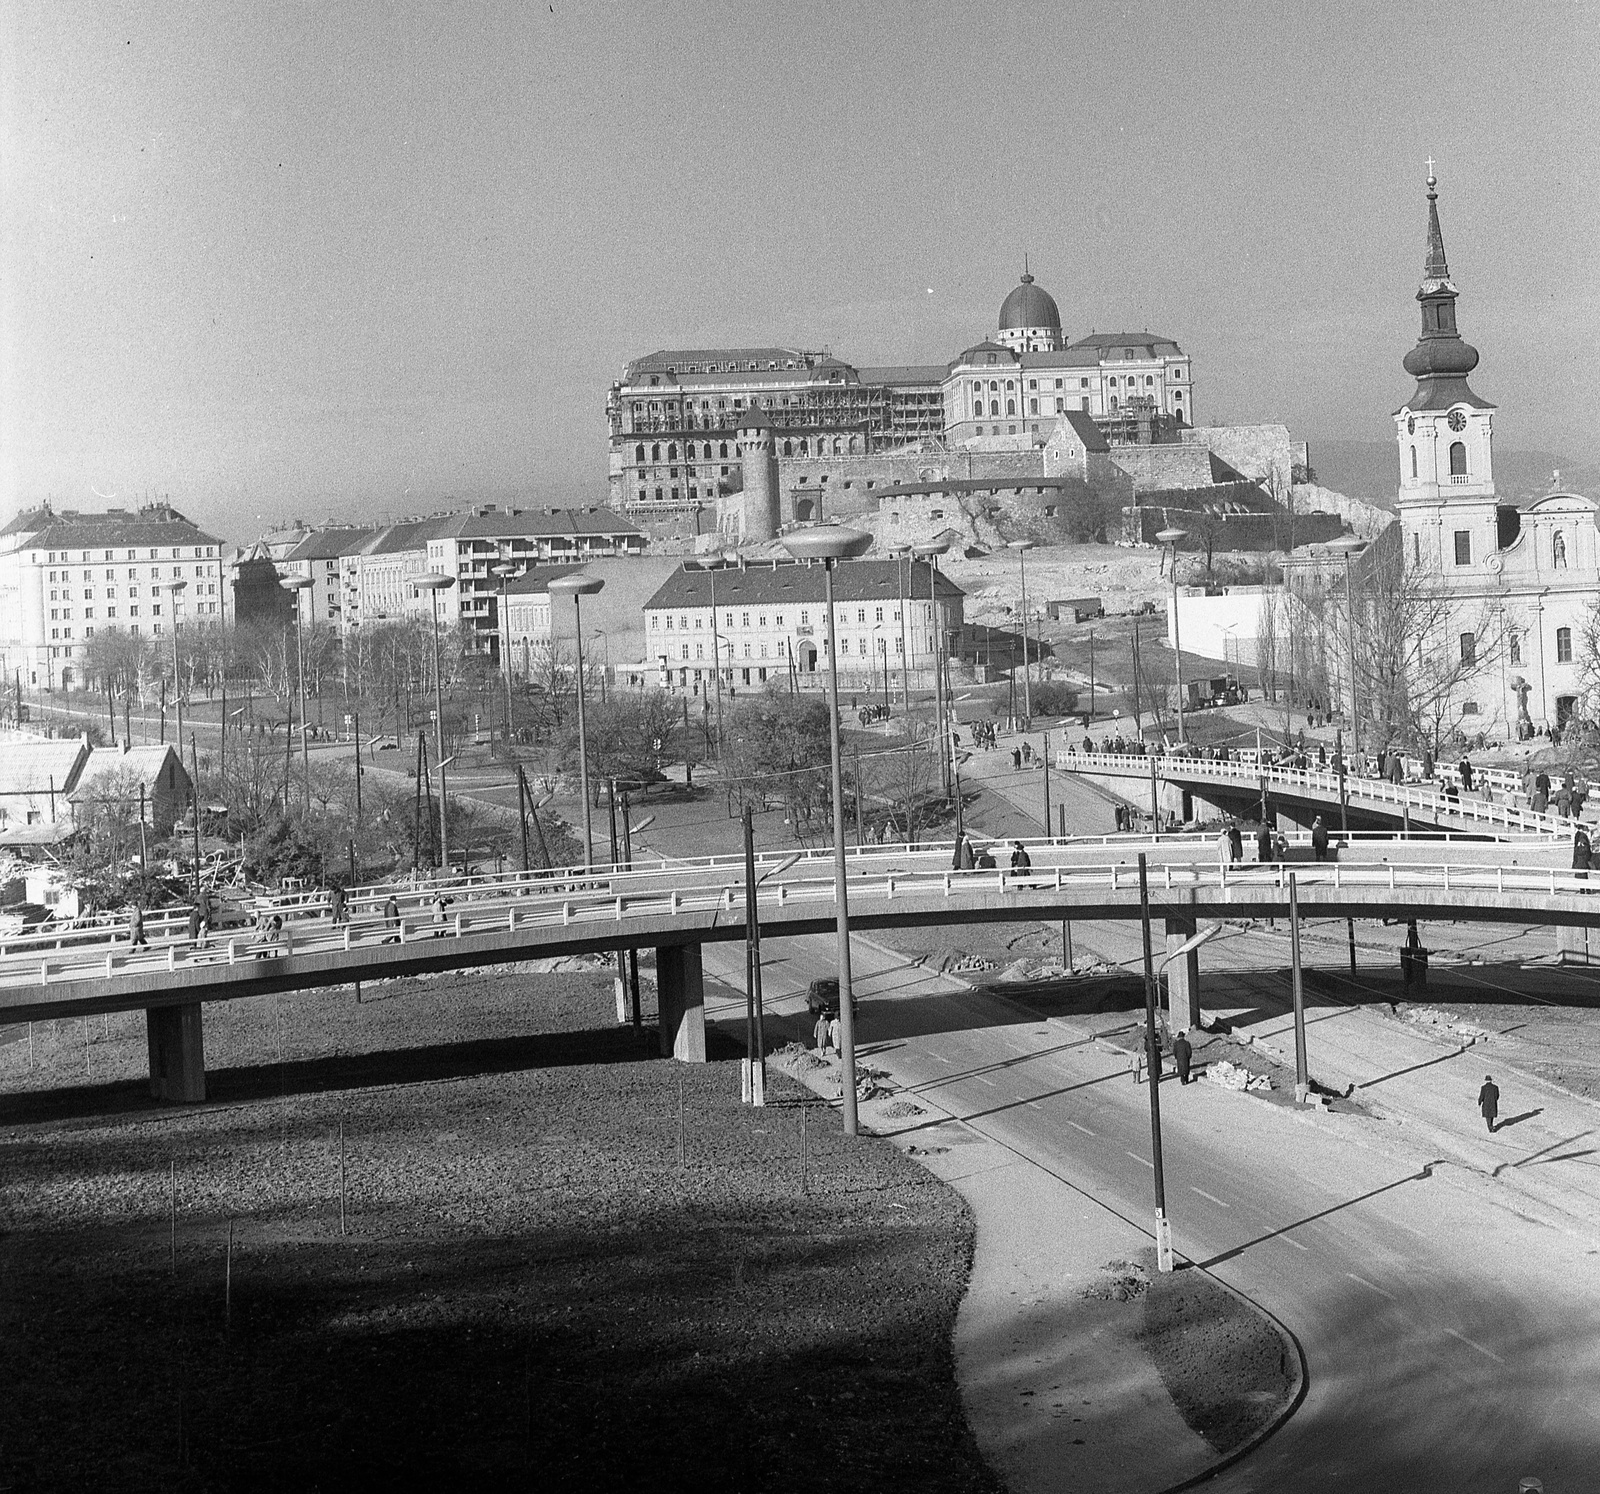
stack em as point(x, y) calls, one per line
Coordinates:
point(1245, 772)
point(579, 900)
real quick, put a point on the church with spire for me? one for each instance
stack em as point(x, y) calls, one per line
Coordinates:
point(1527, 572)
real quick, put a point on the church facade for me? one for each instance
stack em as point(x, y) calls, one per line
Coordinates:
point(1528, 569)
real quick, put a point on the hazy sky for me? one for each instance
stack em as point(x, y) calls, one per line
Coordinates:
point(354, 258)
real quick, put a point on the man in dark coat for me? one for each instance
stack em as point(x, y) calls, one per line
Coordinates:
point(1264, 843)
point(1235, 843)
point(1182, 1055)
point(1582, 854)
point(1489, 1101)
point(1465, 770)
point(1319, 839)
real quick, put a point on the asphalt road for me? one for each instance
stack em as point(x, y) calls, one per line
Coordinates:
point(1451, 1342)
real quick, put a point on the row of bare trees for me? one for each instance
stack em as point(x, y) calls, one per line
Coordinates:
point(1414, 649)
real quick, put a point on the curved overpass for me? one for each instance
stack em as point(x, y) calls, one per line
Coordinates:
point(675, 908)
point(1235, 787)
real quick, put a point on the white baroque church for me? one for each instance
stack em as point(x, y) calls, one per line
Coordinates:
point(1532, 564)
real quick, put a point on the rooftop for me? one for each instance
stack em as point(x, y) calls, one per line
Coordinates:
point(775, 582)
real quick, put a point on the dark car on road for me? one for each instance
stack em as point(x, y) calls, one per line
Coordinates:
point(823, 996)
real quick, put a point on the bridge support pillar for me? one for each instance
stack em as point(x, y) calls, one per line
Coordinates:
point(1572, 944)
point(1183, 976)
point(177, 1053)
point(681, 1003)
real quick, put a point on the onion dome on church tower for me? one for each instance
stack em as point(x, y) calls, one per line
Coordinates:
point(1441, 360)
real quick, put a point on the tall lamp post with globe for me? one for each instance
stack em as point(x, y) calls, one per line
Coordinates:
point(1022, 547)
point(295, 585)
point(577, 587)
point(831, 544)
point(930, 551)
point(433, 582)
point(1171, 539)
point(505, 571)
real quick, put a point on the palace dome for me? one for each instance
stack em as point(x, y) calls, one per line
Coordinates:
point(1029, 305)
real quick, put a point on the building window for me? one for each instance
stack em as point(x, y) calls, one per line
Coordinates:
point(1514, 638)
point(1413, 463)
point(1033, 407)
point(1563, 645)
point(1011, 407)
point(1463, 547)
point(1469, 649)
point(1458, 459)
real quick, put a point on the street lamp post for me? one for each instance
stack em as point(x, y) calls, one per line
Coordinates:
point(1347, 546)
point(578, 587)
point(296, 585)
point(433, 582)
point(901, 596)
point(1171, 538)
point(830, 545)
point(1022, 547)
point(505, 571)
point(930, 552)
point(176, 589)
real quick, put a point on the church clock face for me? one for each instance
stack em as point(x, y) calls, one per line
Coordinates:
point(1458, 420)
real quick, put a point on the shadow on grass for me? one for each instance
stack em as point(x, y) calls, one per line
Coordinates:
point(437, 1061)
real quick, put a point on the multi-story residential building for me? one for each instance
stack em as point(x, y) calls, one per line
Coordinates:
point(319, 559)
point(364, 576)
point(767, 620)
point(63, 575)
point(674, 414)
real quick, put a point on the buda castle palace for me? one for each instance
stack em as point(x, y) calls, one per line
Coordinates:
point(674, 416)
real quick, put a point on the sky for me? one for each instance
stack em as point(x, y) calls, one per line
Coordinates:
point(349, 260)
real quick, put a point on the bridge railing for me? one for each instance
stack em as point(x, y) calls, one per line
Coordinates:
point(1240, 774)
point(594, 903)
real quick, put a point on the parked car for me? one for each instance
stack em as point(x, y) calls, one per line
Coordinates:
point(823, 996)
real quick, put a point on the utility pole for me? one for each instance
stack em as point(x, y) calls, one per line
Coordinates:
point(1344, 834)
point(1302, 1077)
point(755, 1048)
point(1152, 1064)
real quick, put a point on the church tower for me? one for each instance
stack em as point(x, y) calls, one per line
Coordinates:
point(1446, 498)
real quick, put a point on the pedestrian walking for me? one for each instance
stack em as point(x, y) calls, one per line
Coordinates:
point(1264, 843)
point(964, 857)
point(1136, 1060)
point(1489, 1101)
point(1027, 754)
point(136, 926)
point(192, 928)
point(833, 1031)
point(1319, 839)
point(1182, 1056)
point(440, 920)
point(1582, 854)
point(1016, 759)
point(1235, 842)
point(336, 903)
point(1464, 770)
point(1021, 861)
point(820, 1033)
point(391, 919)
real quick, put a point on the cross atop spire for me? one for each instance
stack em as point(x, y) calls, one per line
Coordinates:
point(1434, 267)
point(1027, 279)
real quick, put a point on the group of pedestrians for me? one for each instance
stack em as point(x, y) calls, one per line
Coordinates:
point(966, 859)
point(1182, 1057)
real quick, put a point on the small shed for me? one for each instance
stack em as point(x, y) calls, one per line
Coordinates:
point(1076, 609)
point(152, 777)
point(37, 779)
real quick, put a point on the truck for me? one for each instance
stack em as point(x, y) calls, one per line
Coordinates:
point(1213, 690)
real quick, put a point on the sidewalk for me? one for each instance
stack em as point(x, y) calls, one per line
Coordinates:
point(1058, 1398)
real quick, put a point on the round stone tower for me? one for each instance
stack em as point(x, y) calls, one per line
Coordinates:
point(758, 453)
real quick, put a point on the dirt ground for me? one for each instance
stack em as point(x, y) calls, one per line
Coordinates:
point(533, 1288)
